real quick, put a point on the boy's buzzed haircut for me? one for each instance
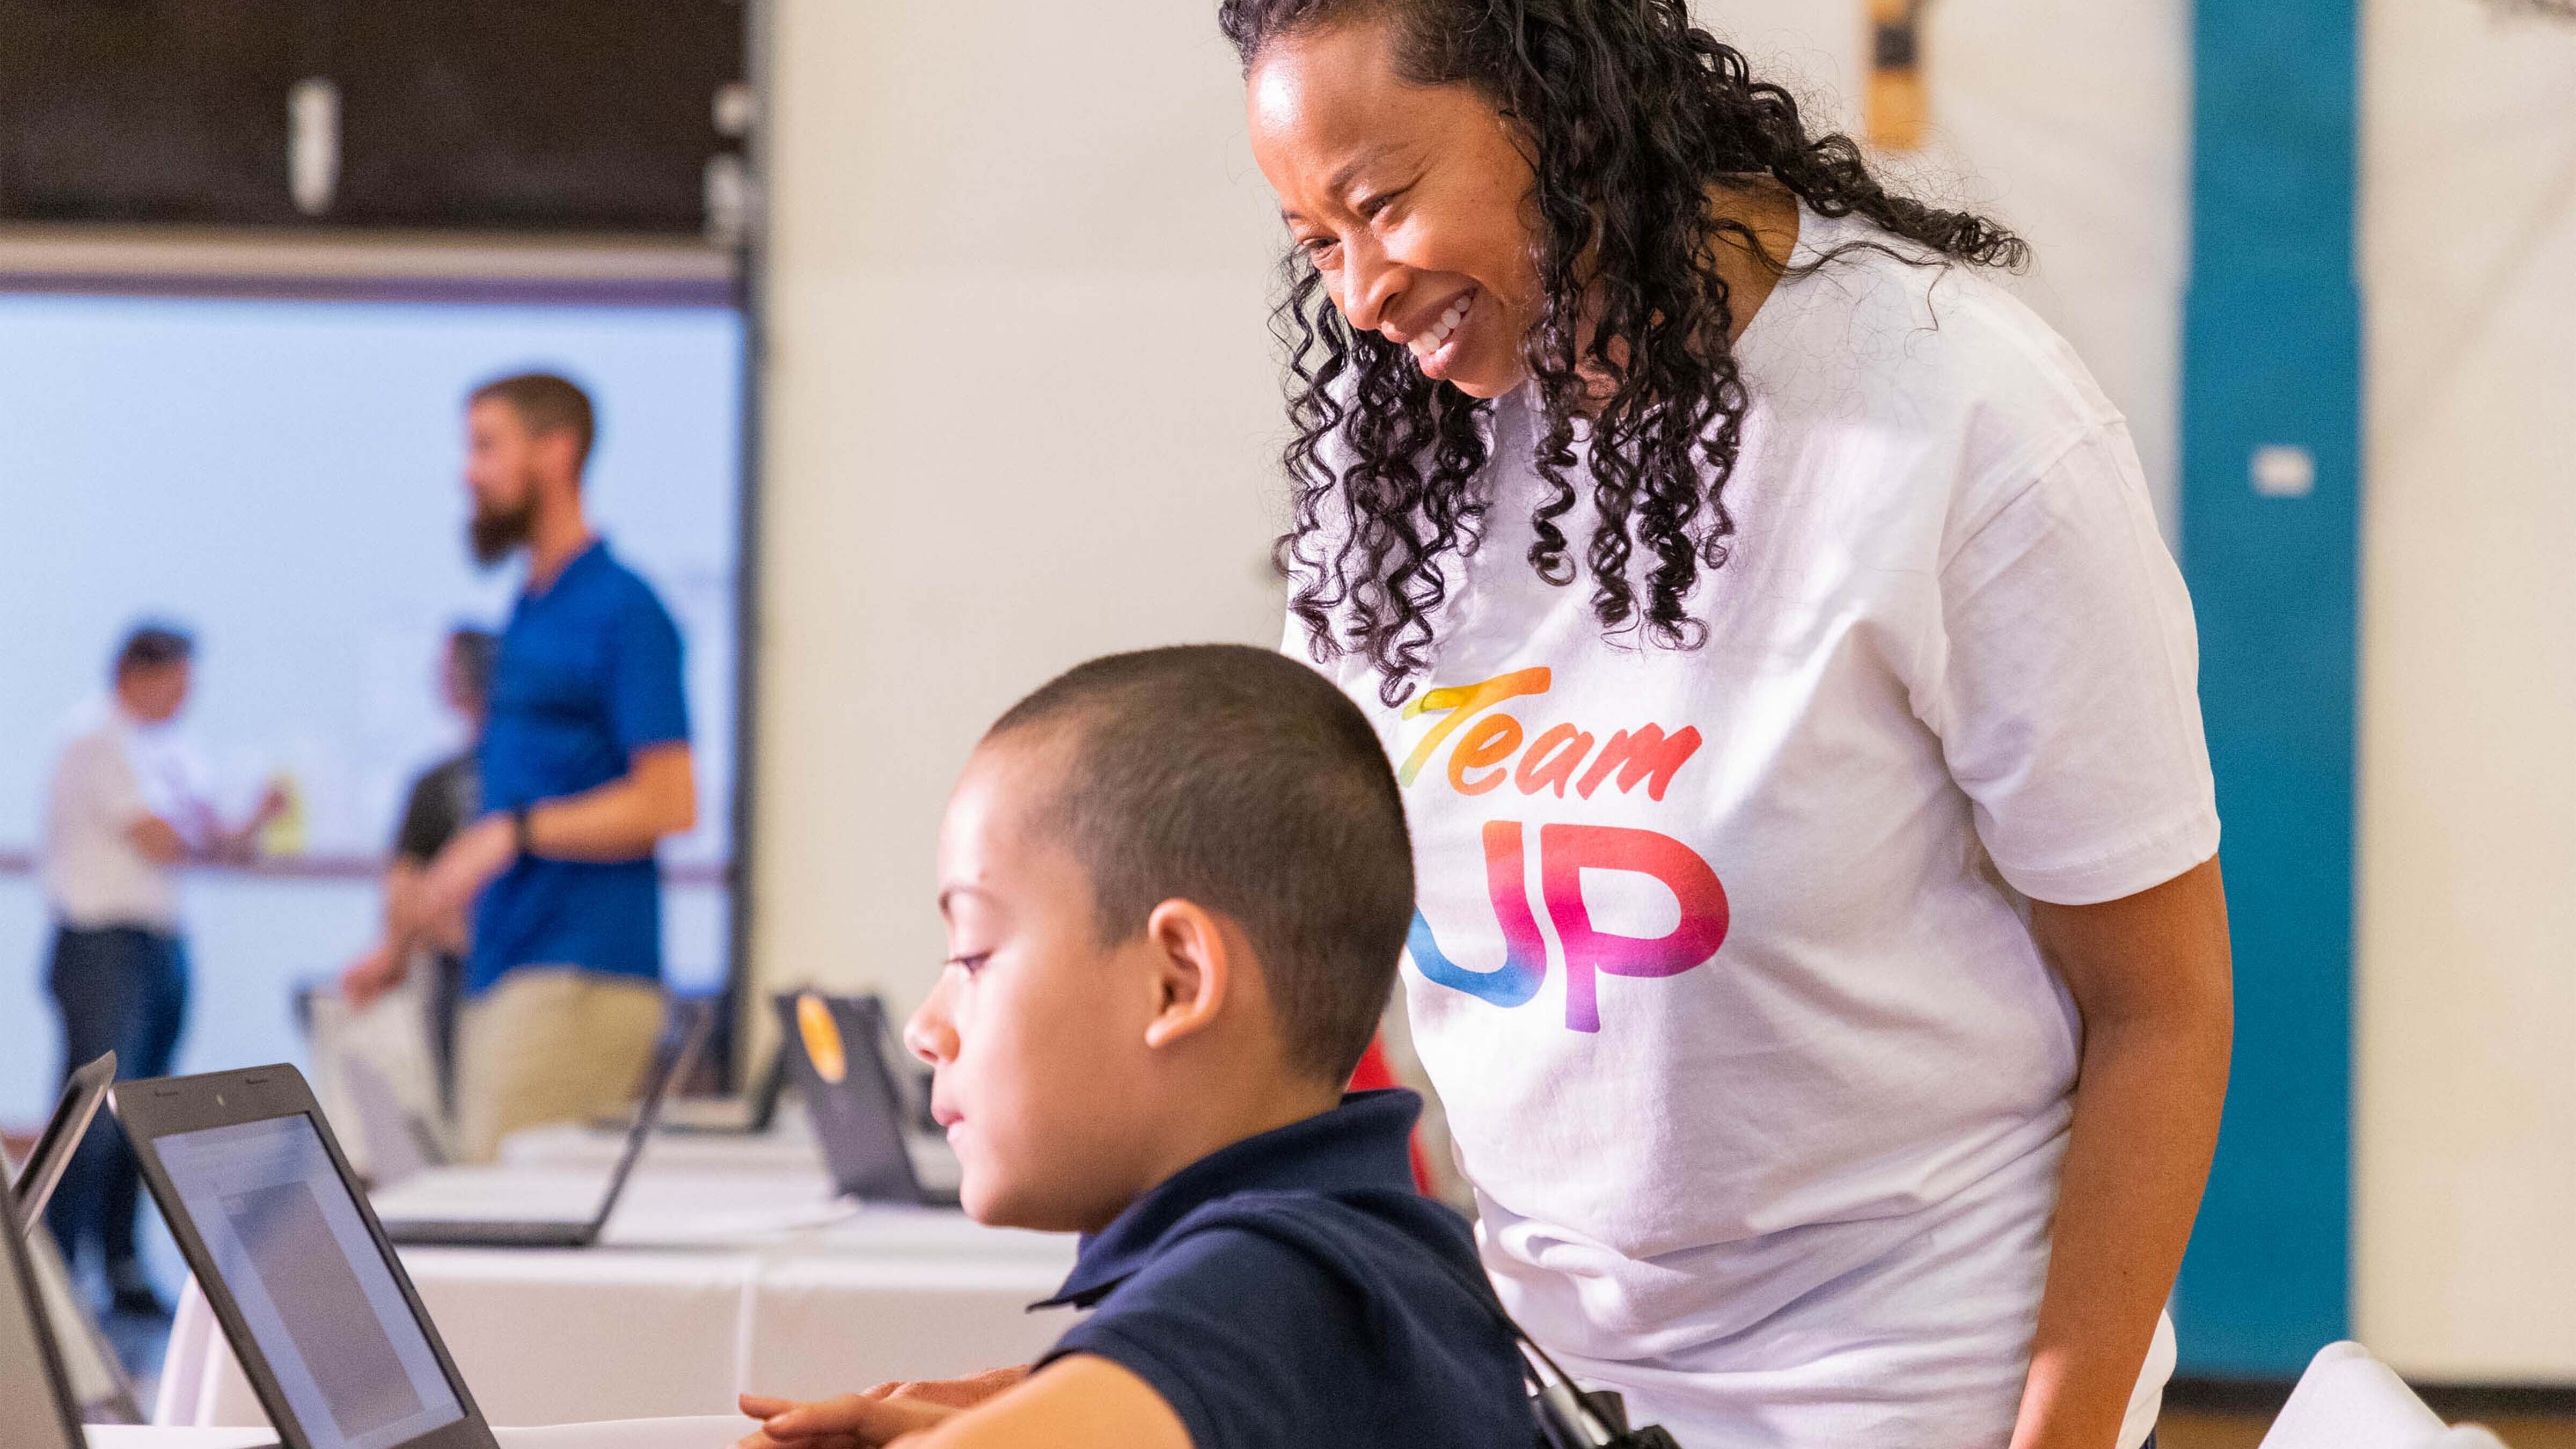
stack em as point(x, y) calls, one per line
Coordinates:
point(545, 403)
point(1244, 781)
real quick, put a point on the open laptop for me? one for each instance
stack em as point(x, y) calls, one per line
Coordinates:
point(99, 1385)
point(37, 1410)
point(562, 1232)
point(746, 1116)
point(62, 1137)
point(317, 1308)
point(837, 1060)
point(399, 1145)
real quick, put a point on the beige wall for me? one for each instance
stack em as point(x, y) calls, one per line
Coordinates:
point(2070, 122)
point(2466, 1143)
point(1021, 409)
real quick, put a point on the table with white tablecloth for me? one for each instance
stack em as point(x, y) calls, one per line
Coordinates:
point(703, 1432)
point(788, 1147)
point(708, 1282)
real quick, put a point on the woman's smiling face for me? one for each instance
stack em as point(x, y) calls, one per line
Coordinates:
point(1410, 200)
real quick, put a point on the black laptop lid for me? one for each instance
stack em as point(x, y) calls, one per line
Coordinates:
point(63, 1133)
point(840, 1070)
point(36, 1409)
point(668, 1073)
point(317, 1307)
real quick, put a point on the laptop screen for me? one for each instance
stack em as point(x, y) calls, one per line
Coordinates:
point(32, 1412)
point(319, 1297)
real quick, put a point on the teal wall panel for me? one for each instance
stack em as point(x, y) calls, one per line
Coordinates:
point(2270, 518)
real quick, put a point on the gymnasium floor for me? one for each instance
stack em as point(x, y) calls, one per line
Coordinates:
point(2181, 1430)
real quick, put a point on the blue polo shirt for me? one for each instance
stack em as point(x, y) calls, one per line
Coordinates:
point(588, 673)
point(1294, 1290)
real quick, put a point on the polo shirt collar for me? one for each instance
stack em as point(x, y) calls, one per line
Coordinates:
point(1363, 1145)
point(589, 557)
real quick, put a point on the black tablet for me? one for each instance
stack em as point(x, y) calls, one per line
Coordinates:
point(63, 1133)
point(318, 1309)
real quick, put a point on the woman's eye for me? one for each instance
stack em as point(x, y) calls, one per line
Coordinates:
point(1322, 251)
point(1376, 206)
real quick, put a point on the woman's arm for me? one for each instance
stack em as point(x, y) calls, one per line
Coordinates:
point(2150, 978)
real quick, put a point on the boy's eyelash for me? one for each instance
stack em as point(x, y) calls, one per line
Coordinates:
point(969, 964)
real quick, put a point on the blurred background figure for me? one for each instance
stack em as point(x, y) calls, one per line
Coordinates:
point(585, 767)
point(126, 805)
point(444, 798)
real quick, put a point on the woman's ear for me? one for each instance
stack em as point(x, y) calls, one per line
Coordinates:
point(1194, 970)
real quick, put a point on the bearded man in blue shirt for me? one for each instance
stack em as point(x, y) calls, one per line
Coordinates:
point(585, 766)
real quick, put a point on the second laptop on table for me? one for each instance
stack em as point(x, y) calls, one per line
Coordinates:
point(567, 1232)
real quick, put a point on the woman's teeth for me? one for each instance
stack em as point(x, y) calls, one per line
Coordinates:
point(1436, 336)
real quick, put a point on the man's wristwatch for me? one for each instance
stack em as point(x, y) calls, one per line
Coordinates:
point(519, 835)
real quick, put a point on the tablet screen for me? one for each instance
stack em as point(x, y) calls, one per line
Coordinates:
point(320, 1299)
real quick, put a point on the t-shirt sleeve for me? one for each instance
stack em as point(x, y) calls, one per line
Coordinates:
point(1245, 1338)
point(646, 702)
point(104, 782)
point(2061, 672)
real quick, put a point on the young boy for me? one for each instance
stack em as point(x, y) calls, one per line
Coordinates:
point(1175, 886)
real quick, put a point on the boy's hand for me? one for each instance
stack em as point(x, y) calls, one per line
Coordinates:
point(852, 1421)
point(959, 1393)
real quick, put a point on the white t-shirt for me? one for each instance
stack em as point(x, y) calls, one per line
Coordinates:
point(1722, 967)
point(110, 773)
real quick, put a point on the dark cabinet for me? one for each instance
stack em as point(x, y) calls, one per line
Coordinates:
point(148, 110)
point(597, 113)
point(523, 115)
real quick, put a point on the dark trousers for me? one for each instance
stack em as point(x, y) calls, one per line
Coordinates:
point(121, 989)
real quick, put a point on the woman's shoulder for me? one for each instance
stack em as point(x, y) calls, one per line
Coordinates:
point(1872, 324)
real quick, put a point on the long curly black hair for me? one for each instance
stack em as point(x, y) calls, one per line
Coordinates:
point(1629, 114)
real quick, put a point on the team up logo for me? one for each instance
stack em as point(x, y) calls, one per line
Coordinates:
point(1487, 749)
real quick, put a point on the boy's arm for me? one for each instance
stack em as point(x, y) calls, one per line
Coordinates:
point(1081, 1401)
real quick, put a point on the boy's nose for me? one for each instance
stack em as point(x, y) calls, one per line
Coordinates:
point(929, 1035)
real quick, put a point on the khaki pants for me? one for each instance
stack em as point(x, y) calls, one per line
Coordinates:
point(549, 1044)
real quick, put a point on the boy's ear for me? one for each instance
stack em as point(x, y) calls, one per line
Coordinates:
point(1194, 968)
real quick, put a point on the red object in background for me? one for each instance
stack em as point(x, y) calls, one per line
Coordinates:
point(1373, 1073)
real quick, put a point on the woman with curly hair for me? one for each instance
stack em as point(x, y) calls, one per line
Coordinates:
point(1821, 952)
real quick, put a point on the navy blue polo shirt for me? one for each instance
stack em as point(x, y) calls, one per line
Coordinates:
point(588, 673)
point(1294, 1290)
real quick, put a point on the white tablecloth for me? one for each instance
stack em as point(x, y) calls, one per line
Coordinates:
point(707, 1283)
point(788, 1147)
point(711, 1432)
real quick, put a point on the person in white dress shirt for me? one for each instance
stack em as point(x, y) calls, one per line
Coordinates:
point(126, 806)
